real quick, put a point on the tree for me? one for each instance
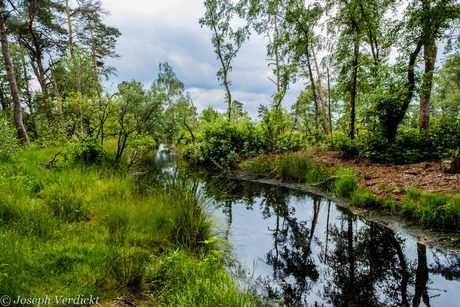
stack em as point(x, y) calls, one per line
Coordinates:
point(361, 38)
point(446, 98)
point(422, 23)
point(12, 78)
point(226, 41)
point(133, 113)
point(41, 33)
point(430, 18)
point(97, 36)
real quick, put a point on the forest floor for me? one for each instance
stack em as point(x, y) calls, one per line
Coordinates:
point(388, 180)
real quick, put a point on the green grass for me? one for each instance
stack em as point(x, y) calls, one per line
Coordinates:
point(88, 230)
point(294, 166)
point(430, 210)
point(194, 282)
point(433, 210)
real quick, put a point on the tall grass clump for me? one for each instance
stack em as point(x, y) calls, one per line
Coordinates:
point(294, 166)
point(433, 210)
point(262, 166)
point(300, 167)
point(346, 183)
point(80, 228)
point(180, 279)
point(364, 198)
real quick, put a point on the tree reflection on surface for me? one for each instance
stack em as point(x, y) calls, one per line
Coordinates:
point(313, 252)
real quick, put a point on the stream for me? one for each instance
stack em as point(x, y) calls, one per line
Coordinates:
point(302, 249)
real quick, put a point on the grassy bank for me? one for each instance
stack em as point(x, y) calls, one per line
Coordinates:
point(89, 230)
point(427, 209)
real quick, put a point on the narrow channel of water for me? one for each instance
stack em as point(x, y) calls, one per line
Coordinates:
point(304, 250)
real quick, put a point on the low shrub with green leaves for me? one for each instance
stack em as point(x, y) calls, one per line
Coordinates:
point(8, 139)
point(412, 147)
point(348, 148)
point(88, 151)
point(224, 143)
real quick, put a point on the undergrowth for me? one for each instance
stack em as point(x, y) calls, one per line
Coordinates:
point(430, 210)
point(81, 228)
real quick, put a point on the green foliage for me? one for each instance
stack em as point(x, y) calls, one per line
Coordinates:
point(433, 210)
point(412, 147)
point(348, 148)
point(8, 140)
point(346, 183)
point(128, 266)
point(260, 166)
point(88, 151)
point(224, 143)
point(300, 167)
point(179, 279)
point(87, 229)
point(364, 198)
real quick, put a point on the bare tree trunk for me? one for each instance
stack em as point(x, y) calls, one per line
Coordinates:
point(429, 55)
point(59, 103)
point(29, 97)
point(313, 89)
point(225, 72)
point(329, 98)
point(69, 22)
point(22, 134)
point(326, 125)
point(354, 74)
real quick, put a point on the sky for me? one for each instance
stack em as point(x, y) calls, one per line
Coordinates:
point(155, 31)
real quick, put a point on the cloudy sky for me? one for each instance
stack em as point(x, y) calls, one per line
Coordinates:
point(155, 31)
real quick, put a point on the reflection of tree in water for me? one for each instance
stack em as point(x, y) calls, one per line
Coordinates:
point(363, 266)
point(358, 265)
point(294, 269)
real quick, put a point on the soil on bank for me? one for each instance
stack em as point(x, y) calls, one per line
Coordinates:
point(388, 180)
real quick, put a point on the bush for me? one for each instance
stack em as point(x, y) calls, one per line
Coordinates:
point(365, 199)
point(347, 147)
point(412, 147)
point(88, 151)
point(8, 140)
point(346, 183)
point(223, 144)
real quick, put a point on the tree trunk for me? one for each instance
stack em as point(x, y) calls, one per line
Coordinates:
point(329, 98)
point(392, 129)
point(12, 81)
point(323, 104)
point(69, 22)
point(39, 70)
point(354, 74)
point(313, 89)
point(59, 103)
point(429, 55)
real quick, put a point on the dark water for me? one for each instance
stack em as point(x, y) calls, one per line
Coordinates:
point(304, 250)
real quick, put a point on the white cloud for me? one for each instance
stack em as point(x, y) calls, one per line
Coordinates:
point(157, 31)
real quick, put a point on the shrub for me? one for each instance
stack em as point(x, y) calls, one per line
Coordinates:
point(346, 183)
point(224, 143)
point(88, 151)
point(347, 147)
point(8, 140)
point(412, 147)
point(364, 198)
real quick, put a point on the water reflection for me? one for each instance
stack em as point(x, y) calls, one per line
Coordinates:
point(304, 250)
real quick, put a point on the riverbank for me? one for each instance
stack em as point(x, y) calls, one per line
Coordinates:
point(74, 230)
point(431, 214)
